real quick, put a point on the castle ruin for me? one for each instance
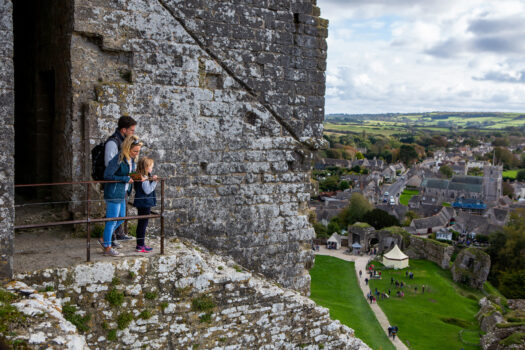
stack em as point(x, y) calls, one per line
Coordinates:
point(229, 97)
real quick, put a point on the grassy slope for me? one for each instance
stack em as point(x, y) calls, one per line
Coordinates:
point(406, 195)
point(334, 285)
point(419, 316)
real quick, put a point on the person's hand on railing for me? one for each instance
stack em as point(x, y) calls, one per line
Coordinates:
point(154, 177)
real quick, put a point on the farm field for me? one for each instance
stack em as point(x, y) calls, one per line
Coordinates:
point(406, 195)
point(436, 121)
point(368, 128)
point(334, 286)
point(441, 317)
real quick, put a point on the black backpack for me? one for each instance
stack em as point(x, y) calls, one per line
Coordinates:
point(97, 162)
point(97, 159)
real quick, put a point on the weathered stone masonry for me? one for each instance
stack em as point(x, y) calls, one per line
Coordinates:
point(229, 98)
point(185, 299)
point(7, 143)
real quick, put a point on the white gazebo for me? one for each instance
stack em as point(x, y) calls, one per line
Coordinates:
point(395, 259)
point(334, 242)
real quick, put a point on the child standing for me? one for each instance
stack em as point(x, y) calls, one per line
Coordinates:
point(145, 198)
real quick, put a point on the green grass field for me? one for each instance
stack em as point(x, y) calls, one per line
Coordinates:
point(432, 320)
point(334, 286)
point(368, 128)
point(511, 174)
point(406, 195)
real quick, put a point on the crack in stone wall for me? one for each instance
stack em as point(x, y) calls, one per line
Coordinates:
point(259, 95)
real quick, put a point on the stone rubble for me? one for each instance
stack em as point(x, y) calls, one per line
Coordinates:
point(244, 310)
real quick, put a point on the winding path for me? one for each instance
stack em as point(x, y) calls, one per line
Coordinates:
point(360, 264)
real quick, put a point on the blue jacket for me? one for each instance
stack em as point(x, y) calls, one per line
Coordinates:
point(143, 199)
point(119, 172)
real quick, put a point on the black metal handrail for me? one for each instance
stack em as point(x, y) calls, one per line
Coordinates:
point(88, 220)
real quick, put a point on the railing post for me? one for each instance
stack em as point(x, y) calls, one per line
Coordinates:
point(88, 243)
point(125, 223)
point(162, 216)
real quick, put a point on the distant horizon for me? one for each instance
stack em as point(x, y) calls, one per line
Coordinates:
point(506, 112)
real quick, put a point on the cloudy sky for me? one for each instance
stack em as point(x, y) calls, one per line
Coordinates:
point(425, 55)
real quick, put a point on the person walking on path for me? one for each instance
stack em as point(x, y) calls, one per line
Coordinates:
point(145, 198)
point(360, 273)
point(118, 169)
point(125, 127)
point(366, 281)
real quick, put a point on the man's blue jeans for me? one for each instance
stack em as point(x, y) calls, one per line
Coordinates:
point(114, 209)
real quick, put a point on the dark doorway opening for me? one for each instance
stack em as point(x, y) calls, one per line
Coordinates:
point(41, 31)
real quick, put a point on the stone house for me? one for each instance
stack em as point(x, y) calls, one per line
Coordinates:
point(444, 235)
point(433, 223)
point(415, 181)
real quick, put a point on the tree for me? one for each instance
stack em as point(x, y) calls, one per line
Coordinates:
point(359, 155)
point(355, 211)
point(380, 218)
point(330, 184)
point(506, 252)
point(521, 175)
point(407, 154)
point(508, 190)
point(320, 230)
point(409, 216)
point(500, 141)
point(504, 156)
point(343, 185)
point(446, 170)
point(333, 226)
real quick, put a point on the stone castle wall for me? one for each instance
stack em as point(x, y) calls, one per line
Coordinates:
point(229, 97)
point(438, 252)
point(185, 299)
point(229, 101)
point(7, 142)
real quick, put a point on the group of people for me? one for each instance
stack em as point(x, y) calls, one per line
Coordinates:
point(121, 158)
point(392, 331)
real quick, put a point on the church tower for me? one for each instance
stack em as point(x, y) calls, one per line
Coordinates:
point(492, 182)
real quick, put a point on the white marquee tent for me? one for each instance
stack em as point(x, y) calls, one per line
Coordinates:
point(334, 242)
point(395, 259)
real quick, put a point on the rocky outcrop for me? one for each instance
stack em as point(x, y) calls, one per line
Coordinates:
point(500, 334)
point(186, 298)
point(422, 248)
point(471, 267)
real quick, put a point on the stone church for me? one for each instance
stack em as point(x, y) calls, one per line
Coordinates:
point(486, 188)
point(229, 99)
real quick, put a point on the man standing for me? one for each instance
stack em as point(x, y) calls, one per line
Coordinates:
point(125, 127)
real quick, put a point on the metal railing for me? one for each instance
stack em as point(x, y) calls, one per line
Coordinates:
point(88, 220)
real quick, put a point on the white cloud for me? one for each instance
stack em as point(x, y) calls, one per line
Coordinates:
point(412, 55)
